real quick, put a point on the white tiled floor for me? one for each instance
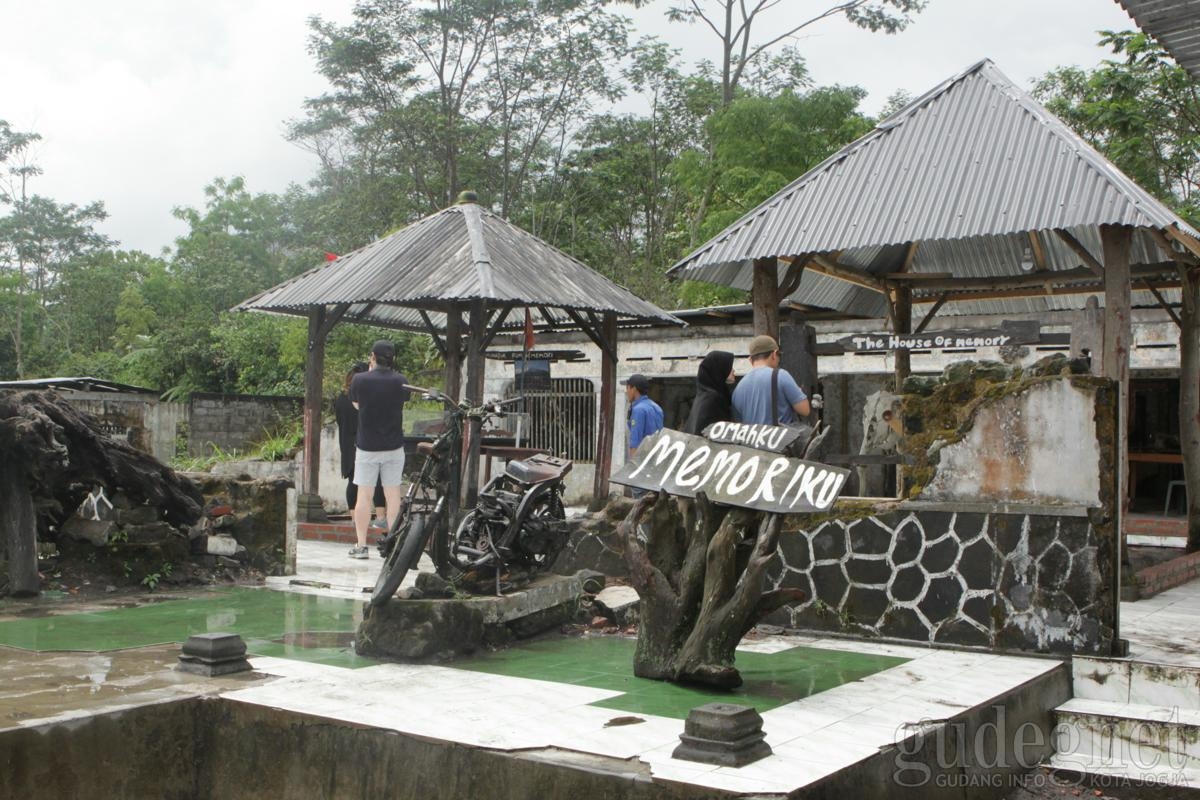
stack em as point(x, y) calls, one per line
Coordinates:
point(1162, 629)
point(326, 568)
point(811, 738)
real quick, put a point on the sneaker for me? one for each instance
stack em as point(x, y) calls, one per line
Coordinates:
point(379, 525)
point(359, 552)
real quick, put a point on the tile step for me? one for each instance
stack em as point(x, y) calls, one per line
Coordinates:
point(1136, 682)
point(1158, 775)
point(1099, 733)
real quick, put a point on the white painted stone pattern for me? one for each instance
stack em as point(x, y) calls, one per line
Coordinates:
point(1031, 582)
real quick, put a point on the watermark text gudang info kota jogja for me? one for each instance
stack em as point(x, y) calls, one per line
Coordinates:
point(941, 753)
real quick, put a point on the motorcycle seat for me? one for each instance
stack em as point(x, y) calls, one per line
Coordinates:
point(537, 469)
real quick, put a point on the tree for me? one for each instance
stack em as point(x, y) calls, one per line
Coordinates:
point(1142, 111)
point(429, 99)
point(733, 22)
point(41, 242)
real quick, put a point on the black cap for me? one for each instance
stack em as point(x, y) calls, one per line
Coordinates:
point(637, 381)
point(384, 349)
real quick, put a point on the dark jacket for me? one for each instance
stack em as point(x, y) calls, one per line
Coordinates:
point(712, 403)
point(347, 424)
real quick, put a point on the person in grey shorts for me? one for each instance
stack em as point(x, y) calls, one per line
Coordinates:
point(379, 396)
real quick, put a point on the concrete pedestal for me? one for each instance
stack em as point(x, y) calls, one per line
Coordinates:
point(440, 629)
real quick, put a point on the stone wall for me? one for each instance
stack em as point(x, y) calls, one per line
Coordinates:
point(1032, 579)
point(232, 422)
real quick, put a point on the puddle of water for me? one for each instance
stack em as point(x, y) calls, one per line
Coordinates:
point(283, 624)
point(770, 680)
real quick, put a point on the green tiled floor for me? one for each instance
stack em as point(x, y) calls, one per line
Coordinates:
point(607, 663)
point(267, 620)
point(320, 629)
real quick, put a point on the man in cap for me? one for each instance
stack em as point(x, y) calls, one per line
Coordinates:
point(753, 399)
point(645, 415)
point(379, 396)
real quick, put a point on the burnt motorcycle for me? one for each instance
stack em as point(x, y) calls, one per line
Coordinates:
point(518, 522)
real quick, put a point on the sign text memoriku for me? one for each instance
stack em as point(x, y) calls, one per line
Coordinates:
point(682, 464)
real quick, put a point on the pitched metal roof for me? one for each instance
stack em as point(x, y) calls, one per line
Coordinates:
point(971, 166)
point(459, 254)
point(1175, 24)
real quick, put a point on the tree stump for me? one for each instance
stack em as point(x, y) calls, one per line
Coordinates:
point(700, 570)
point(53, 455)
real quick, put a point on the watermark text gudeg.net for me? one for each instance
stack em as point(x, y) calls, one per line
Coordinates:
point(996, 754)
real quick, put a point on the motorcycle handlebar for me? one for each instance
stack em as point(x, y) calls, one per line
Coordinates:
point(494, 407)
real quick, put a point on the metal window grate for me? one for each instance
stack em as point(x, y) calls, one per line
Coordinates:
point(561, 419)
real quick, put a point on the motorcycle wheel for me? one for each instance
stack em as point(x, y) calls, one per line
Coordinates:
point(548, 506)
point(406, 551)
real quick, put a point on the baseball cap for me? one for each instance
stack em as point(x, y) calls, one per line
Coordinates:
point(762, 345)
point(637, 381)
point(384, 349)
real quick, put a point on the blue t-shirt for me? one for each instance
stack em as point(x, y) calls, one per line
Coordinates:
point(752, 398)
point(645, 418)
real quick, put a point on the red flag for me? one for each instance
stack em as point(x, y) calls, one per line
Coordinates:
point(331, 256)
point(528, 331)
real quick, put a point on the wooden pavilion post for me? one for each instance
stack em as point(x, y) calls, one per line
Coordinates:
point(1115, 242)
point(311, 509)
point(608, 405)
point(1118, 340)
point(453, 354)
point(765, 296)
point(477, 329)
point(1189, 398)
point(901, 308)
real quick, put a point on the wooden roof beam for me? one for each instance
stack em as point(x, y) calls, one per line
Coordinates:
point(1029, 291)
point(1089, 260)
point(859, 277)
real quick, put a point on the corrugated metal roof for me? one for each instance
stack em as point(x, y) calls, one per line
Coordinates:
point(82, 384)
point(1175, 24)
point(459, 254)
point(966, 170)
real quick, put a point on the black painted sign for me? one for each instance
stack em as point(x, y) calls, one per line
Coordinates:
point(761, 437)
point(1008, 333)
point(535, 355)
point(681, 464)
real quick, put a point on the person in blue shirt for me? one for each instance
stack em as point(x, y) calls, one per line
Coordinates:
point(752, 402)
point(645, 415)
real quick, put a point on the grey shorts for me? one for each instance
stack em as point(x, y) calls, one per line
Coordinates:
point(378, 466)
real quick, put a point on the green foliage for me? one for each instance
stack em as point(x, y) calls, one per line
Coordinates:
point(1141, 111)
point(282, 441)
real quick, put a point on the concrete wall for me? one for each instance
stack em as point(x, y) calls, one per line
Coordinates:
point(1016, 447)
point(142, 420)
point(233, 422)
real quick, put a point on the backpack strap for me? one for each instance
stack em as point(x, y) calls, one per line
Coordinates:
point(775, 396)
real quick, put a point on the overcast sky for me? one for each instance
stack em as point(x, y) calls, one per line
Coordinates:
point(141, 103)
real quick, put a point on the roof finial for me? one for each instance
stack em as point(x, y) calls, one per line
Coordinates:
point(467, 196)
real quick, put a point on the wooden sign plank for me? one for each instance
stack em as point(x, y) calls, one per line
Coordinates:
point(681, 464)
point(535, 355)
point(1008, 333)
point(775, 438)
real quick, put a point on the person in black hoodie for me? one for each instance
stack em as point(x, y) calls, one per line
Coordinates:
point(714, 389)
point(347, 423)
